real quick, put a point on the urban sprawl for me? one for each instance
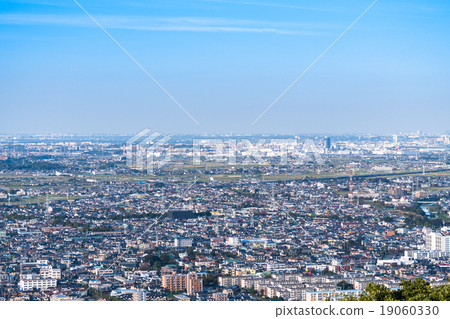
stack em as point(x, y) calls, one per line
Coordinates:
point(305, 218)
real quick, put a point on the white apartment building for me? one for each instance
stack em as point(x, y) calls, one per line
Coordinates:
point(330, 295)
point(439, 241)
point(183, 242)
point(30, 282)
point(42, 263)
point(139, 295)
point(104, 272)
point(233, 241)
point(229, 281)
point(50, 273)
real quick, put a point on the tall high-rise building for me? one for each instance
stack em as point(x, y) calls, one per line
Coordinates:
point(194, 283)
point(395, 139)
point(327, 143)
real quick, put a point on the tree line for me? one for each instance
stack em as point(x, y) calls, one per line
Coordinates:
point(411, 290)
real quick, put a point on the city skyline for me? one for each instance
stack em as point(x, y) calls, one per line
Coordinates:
point(224, 62)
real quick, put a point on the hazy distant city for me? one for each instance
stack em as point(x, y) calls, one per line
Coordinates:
point(305, 218)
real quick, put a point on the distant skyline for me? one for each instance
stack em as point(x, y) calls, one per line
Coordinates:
point(225, 62)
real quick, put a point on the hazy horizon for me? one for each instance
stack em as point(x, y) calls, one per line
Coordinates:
point(236, 134)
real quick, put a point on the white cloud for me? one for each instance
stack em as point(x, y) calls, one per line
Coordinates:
point(275, 5)
point(193, 24)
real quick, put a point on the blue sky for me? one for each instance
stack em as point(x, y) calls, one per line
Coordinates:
point(225, 62)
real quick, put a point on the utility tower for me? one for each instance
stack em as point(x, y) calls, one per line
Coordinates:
point(350, 192)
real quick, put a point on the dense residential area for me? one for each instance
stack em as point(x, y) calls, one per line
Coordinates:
point(337, 218)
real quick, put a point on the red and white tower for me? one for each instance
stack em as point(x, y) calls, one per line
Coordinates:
point(350, 192)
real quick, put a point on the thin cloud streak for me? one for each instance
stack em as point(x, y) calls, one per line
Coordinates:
point(192, 24)
point(277, 5)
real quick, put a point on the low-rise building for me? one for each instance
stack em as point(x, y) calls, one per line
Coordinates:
point(30, 282)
